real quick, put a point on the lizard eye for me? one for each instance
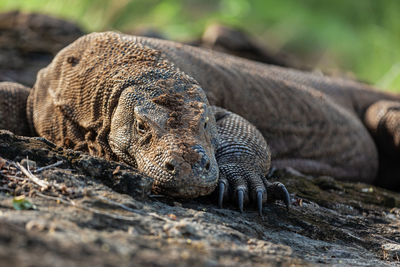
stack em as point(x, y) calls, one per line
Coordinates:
point(141, 127)
point(205, 123)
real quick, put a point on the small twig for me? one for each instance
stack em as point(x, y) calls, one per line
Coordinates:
point(43, 184)
point(58, 163)
point(32, 177)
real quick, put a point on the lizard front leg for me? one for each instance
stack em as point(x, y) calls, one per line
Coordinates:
point(244, 160)
point(13, 97)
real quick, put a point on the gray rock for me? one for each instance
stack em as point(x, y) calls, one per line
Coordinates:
point(100, 212)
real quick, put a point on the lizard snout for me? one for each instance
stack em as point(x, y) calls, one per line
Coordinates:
point(204, 162)
point(187, 170)
point(197, 160)
point(170, 166)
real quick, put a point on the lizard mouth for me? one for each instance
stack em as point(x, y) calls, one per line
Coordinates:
point(176, 177)
point(183, 191)
point(198, 182)
point(188, 171)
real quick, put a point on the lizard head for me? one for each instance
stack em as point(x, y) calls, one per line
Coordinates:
point(164, 126)
point(115, 97)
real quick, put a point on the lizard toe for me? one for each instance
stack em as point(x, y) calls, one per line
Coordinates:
point(242, 187)
point(247, 186)
point(240, 196)
point(259, 202)
point(277, 191)
point(222, 191)
point(236, 186)
point(258, 192)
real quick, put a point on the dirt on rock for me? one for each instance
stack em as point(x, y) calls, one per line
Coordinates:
point(85, 210)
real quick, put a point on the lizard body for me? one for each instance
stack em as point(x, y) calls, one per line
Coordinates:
point(147, 102)
point(313, 123)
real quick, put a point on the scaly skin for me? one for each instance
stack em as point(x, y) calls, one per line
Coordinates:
point(312, 123)
point(141, 100)
point(13, 98)
point(244, 160)
point(126, 102)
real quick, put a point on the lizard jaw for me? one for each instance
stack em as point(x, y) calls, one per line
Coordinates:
point(183, 179)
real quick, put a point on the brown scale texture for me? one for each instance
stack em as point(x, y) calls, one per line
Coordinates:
point(86, 99)
point(175, 103)
point(13, 98)
point(311, 122)
point(81, 88)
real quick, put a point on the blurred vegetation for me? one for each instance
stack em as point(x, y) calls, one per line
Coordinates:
point(361, 37)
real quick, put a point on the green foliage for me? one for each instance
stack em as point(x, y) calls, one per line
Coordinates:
point(359, 36)
point(21, 203)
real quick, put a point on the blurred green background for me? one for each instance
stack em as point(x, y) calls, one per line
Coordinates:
point(360, 37)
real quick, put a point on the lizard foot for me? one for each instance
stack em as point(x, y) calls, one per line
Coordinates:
point(244, 159)
point(244, 186)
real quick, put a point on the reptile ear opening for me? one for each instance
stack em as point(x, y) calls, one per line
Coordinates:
point(73, 61)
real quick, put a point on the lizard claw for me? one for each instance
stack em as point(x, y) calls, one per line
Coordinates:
point(240, 193)
point(286, 196)
point(259, 201)
point(277, 191)
point(221, 194)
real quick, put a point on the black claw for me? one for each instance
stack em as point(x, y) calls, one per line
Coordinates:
point(286, 196)
point(221, 194)
point(240, 199)
point(259, 202)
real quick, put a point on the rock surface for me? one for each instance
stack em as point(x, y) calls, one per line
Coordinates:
point(87, 210)
point(29, 41)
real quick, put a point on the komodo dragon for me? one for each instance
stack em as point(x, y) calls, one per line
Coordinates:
point(147, 102)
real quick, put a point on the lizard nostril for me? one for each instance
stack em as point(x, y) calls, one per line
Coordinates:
point(169, 166)
point(207, 165)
